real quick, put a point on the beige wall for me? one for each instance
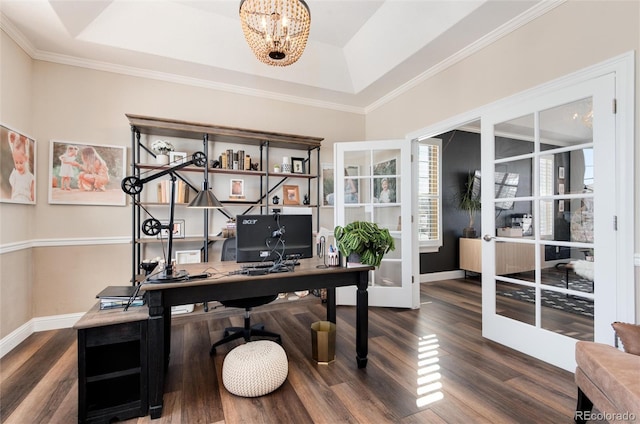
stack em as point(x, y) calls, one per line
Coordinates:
point(51, 101)
point(16, 221)
point(81, 105)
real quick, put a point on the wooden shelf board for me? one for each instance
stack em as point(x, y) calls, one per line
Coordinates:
point(218, 133)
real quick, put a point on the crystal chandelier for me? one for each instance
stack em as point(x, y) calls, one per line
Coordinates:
point(276, 30)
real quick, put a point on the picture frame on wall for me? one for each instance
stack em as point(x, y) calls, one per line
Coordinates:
point(86, 173)
point(17, 167)
point(384, 182)
point(351, 185)
point(290, 195)
point(178, 229)
point(297, 166)
point(177, 158)
point(326, 185)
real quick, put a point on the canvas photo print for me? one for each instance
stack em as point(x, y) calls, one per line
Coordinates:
point(86, 174)
point(17, 167)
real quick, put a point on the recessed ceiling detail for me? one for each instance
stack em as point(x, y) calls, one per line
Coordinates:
point(358, 51)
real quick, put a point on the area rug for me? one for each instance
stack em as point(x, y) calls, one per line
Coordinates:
point(552, 299)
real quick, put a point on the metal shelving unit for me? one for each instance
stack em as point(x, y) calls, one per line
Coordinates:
point(208, 135)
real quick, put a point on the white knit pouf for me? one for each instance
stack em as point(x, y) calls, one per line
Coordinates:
point(255, 368)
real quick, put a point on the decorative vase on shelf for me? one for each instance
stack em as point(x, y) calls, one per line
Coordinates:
point(162, 159)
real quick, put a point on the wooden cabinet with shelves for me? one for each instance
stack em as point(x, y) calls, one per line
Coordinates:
point(510, 258)
point(263, 182)
point(112, 365)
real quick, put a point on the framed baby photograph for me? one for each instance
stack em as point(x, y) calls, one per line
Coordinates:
point(86, 174)
point(17, 167)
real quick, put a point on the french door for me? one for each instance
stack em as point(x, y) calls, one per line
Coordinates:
point(373, 183)
point(548, 220)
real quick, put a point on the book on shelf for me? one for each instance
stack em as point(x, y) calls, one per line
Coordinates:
point(181, 193)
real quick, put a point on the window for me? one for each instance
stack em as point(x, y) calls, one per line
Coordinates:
point(429, 202)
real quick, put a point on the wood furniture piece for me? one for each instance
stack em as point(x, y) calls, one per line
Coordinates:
point(223, 286)
point(209, 136)
point(510, 257)
point(112, 364)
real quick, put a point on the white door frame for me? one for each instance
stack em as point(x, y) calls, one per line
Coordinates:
point(407, 295)
point(624, 68)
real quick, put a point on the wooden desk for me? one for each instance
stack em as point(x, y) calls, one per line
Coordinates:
point(221, 286)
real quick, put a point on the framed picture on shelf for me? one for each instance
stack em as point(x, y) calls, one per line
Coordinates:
point(297, 165)
point(177, 158)
point(291, 195)
point(178, 229)
point(86, 174)
point(188, 256)
point(236, 189)
point(17, 167)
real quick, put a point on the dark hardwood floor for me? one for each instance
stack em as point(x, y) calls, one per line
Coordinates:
point(425, 366)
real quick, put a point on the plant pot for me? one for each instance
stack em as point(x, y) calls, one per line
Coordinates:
point(469, 232)
point(162, 159)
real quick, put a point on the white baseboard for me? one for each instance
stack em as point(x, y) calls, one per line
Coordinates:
point(444, 275)
point(20, 334)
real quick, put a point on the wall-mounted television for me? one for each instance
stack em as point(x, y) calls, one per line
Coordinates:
point(273, 237)
point(506, 187)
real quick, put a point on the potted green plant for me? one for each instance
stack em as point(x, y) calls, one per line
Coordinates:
point(469, 202)
point(365, 239)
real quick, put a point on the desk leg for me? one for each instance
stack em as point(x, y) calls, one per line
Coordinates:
point(331, 304)
point(158, 352)
point(362, 320)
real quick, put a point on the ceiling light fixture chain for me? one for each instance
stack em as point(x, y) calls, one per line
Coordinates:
point(276, 30)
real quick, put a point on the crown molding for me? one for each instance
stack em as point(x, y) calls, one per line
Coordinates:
point(479, 44)
point(476, 46)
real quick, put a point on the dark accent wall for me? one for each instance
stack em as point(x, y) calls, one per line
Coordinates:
point(461, 155)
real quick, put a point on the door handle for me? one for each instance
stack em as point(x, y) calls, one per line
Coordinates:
point(487, 237)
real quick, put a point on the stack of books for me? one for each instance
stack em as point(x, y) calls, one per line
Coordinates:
point(119, 297)
point(181, 194)
point(235, 160)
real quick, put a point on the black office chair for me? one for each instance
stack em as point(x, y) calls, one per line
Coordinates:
point(248, 331)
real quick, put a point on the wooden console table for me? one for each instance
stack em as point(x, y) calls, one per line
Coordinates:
point(510, 257)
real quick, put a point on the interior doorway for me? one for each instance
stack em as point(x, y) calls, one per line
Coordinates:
point(549, 268)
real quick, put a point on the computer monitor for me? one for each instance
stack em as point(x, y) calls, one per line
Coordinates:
point(273, 237)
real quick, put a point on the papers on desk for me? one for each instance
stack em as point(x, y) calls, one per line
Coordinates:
point(118, 297)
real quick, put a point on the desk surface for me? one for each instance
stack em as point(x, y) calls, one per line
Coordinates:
point(97, 317)
point(219, 273)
